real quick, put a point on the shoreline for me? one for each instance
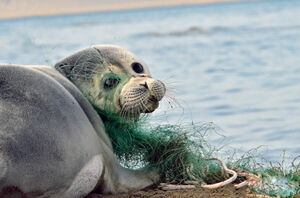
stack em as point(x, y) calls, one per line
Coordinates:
point(15, 9)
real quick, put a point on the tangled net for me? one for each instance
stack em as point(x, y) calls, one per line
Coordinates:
point(182, 156)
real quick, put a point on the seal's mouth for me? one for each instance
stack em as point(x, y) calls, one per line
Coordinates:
point(152, 104)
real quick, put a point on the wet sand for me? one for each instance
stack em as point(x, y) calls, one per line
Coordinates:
point(27, 8)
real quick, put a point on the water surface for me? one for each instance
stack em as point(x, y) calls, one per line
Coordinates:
point(236, 65)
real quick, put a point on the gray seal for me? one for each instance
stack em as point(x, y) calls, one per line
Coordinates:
point(52, 141)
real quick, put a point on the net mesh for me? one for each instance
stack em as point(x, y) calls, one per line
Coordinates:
point(181, 151)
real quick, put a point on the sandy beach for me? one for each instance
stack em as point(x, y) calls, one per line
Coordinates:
point(27, 8)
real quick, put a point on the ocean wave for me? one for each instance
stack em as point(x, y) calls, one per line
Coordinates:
point(194, 30)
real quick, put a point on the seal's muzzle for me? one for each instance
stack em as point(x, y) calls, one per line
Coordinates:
point(141, 95)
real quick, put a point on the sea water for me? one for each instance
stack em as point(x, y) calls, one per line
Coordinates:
point(236, 65)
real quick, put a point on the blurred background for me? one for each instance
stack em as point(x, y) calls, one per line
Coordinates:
point(236, 64)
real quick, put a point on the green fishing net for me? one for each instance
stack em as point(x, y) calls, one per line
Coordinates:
point(180, 153)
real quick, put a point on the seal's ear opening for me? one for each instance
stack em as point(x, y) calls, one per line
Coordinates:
point(80, 64)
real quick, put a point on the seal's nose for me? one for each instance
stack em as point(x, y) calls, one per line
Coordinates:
point(145, 85)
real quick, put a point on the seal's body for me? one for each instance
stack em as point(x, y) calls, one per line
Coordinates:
point(53, 143)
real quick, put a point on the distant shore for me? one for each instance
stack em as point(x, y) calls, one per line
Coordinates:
point(10, 9)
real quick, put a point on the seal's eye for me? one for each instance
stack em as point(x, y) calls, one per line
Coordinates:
point(137, 67)
point(111, 83)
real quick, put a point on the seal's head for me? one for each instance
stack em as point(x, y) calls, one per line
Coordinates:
point(114, 80)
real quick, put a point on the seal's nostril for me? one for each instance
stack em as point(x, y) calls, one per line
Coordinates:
point(145, 85)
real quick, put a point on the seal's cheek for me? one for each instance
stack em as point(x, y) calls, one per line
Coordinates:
point(117, 100)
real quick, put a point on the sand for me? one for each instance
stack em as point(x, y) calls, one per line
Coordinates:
point(227, 191)
point(27, 8)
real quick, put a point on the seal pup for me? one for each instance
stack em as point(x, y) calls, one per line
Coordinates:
point(52, 141)
point(113, 79)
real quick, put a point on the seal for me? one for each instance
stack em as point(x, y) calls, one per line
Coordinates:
point(53, 142)
point(113, 79)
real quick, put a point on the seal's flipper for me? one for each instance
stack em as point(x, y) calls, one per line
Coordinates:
point(87, 179)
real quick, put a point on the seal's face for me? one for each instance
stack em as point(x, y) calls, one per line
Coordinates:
point(114, 80)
